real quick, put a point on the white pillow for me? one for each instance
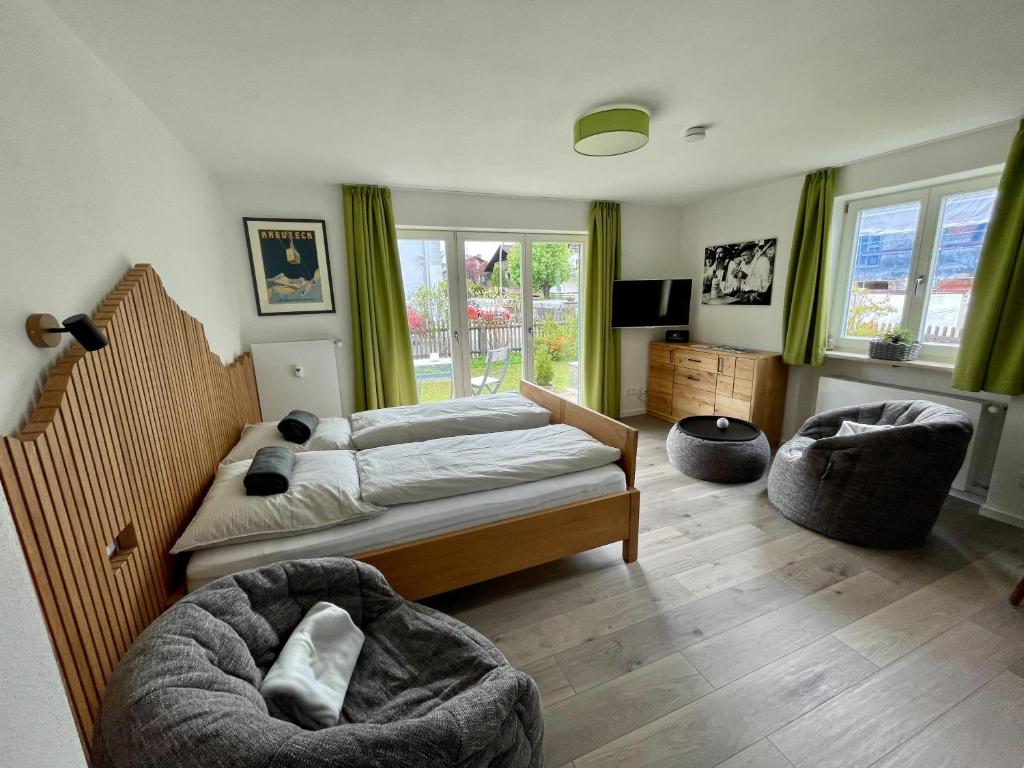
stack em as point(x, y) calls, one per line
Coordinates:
point(856, 428)
point(324, 493)
point(308, 681)
point(331, 434)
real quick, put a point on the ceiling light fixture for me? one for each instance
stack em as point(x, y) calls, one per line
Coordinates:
point(696, 133)
point(611, 131)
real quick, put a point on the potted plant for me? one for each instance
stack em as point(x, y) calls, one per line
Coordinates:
point(896, 344)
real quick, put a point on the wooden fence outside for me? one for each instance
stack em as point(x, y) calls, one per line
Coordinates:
point(482, 337)
point(933, 334)
point(485, 335)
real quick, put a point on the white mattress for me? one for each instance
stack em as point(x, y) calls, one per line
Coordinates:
point(408, 522)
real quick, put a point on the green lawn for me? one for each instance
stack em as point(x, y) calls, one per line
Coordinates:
point(433, 391)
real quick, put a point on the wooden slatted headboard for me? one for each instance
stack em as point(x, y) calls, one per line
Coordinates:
point(121, 447)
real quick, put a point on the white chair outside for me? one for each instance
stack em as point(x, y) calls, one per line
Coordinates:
point(495, 369)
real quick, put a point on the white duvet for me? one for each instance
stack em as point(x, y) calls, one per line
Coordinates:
point(451, 466)
point(463, 416)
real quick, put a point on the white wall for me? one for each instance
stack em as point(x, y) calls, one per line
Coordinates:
point(298, 200)
point(90, 183)
point(455, 210)
point(748, 214)
point(769, 210)
point(650, 249)
point(650, 246)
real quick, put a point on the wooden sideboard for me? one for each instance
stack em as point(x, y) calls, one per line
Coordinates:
point(692, 380)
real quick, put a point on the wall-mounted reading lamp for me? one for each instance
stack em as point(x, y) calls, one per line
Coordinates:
point(45, 331)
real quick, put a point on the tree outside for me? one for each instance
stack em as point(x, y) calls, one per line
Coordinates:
point(550, 265)
point(866, 313)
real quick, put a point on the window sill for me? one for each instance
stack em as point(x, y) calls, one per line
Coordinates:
point(860, 357)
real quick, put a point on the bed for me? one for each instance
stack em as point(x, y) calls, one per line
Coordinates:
point(431, 535)
point(123, 443)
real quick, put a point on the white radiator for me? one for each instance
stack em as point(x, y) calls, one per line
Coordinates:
point(977, 469)
point(297, 374)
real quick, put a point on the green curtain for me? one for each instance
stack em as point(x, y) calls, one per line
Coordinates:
point(805, 313)
point(991, 353)
point(600, 341)
point(381, 349)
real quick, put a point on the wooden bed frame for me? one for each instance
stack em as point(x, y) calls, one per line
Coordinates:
point(426, 567)
point(123, 444)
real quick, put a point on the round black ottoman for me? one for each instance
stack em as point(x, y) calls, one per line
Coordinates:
point(737, 453)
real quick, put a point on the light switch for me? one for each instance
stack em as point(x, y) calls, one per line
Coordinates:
point(299, 371)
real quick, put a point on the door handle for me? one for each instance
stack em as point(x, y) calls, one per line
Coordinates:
point(917, 284)
point(455, 335)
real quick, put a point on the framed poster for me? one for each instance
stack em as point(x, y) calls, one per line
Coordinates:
point(739, 273)
point(291, 272)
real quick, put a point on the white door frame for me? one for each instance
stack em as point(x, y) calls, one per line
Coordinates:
point(557, 238)
point(456, 288)
point(525, 275)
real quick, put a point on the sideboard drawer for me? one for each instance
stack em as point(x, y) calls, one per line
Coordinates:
point(660, 385)
point(694, 379)
point(725, 386)
point(695, 359)
point(745, 369)
point(726, 365)
point(743, 389)
point(692, 402)
point(732, 408)
point(662, 371)
point(660, 354)
point(659, 403)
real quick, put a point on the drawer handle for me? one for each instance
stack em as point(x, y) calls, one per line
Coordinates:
point(693, 360)
point(692, 378)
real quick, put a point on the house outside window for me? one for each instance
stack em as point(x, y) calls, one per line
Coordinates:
point(909, 259)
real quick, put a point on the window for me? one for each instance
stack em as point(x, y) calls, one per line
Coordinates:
point(908, 259)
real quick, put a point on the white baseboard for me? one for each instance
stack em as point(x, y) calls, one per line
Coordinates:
point(1003, 517)
point(633, 412)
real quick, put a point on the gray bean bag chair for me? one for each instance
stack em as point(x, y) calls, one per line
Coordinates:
point(877, 489)
point(427, 691)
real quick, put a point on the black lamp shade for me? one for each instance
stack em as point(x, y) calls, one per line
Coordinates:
point(85, 332)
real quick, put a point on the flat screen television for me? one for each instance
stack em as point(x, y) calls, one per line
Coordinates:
point(650, 303)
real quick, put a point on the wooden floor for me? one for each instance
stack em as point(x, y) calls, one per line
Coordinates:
point(740, 639)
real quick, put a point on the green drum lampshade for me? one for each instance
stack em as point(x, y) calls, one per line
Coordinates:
point(611, 132)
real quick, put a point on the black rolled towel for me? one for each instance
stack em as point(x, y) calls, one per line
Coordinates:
point(270, 471)
point(298, 426)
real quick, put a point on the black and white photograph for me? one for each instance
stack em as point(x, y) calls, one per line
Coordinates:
point(739, 273)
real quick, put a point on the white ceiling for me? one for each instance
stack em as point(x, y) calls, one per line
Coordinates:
point(480, 95)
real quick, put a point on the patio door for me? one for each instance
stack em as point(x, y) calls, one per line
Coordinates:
point(553, 344)
point(496, 307)
point(431, 276)
point(489, 309)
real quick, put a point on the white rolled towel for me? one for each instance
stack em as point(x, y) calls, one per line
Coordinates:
point(848, 428)
point(308, 681)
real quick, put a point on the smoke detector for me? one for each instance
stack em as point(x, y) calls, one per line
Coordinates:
point(696, 133)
